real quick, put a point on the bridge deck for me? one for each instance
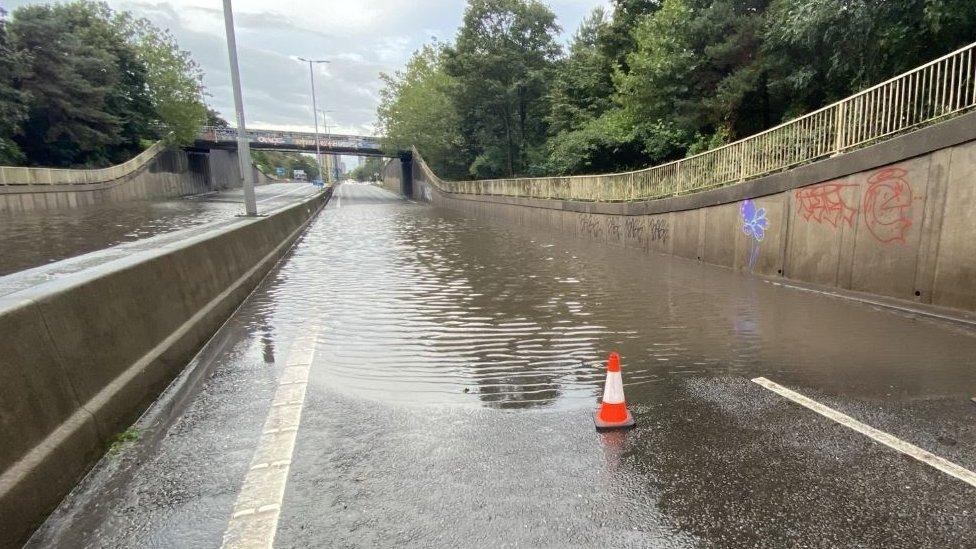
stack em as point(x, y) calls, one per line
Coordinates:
point(357, 145)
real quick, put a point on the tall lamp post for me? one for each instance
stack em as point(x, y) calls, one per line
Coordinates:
point(315, 110)
point(325, 122)
point(243, 150)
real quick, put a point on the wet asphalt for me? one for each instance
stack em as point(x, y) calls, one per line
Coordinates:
point(35, 238)
point(458, 363)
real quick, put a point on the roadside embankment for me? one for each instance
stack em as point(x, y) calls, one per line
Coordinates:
point(893, 219)
point(84, 355)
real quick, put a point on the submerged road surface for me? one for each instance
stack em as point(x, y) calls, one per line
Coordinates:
point(40, 237)
point(409, 377)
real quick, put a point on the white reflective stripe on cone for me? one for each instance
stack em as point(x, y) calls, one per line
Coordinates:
point(613, 391)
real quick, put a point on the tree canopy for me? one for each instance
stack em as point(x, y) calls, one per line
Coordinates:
point(90, 86)
point(653, 80)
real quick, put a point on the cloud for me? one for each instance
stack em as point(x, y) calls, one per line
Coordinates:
point(361, 38)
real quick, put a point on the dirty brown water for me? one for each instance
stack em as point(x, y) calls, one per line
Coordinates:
point(34, 238)
point(458, 365)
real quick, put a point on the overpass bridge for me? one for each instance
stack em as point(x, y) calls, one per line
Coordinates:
point(213, 137)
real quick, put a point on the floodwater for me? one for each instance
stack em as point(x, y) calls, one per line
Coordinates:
point(31, 239)
point(457, 367)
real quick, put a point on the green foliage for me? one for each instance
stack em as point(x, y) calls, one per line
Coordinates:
point(90, 86)
point(502, 62)
point(656, 81)
point(122, 440)
point(267, 161)
point(819, 51)
point(175, 83)
point(416, 109)
point(371, 169)
point(582, 88)
point(13, 101)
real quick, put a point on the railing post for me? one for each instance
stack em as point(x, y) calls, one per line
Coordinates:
point(839, 127)
point(740, 157)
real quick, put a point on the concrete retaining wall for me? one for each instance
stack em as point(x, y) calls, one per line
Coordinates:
point(169, 173)
point(391, 176)
point(84, 355)
point(895, 219)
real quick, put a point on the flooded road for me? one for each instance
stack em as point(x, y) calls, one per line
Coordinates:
point(423, 379)
point(34, 238)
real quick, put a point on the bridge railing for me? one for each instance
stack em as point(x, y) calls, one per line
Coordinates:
point(930, 93)
point(12, 175)
point(289, 138)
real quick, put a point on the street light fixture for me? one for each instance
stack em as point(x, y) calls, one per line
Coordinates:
point(315, 110)
point(243, 149)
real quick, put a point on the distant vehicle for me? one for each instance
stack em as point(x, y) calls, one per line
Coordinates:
point(299, 175)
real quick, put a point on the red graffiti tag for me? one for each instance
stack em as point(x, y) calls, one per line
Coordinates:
point(825, 203)
point(886, 205)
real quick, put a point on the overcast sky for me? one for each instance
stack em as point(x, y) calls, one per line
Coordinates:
point(361, 38)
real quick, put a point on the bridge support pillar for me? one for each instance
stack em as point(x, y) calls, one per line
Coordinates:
point(406, 174)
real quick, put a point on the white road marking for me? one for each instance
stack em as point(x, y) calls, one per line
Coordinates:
point(890, 441)
point(254, 519)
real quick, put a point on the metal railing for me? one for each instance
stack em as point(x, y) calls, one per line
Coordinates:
point(57, 176)
point(930, 93)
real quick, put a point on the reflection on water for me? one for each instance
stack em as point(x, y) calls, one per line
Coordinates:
point(423, 305)
point(30, 239)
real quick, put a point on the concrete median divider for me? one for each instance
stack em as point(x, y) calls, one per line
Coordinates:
point(84, 355)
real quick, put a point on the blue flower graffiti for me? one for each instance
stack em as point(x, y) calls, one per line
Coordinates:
point(754, 221)
point(754, 224)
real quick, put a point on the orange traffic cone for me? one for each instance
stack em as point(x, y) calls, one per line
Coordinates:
point(613, 412)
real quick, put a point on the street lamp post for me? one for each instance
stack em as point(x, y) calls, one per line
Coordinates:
point(243, 150)
point(315, 110)
point(325, 121)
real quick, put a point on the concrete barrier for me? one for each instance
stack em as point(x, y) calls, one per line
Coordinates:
point(83, 356)
point(894, 219)
point(165, 173)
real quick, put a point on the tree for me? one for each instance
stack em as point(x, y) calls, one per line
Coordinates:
point(214, 119)
point(13, 102)
point(616, 39)
point(71, 74)
point(370, 169)
point(175, 83)
point(696, 77)
point(502, 61)
point(584, 135)
point(821, 51)
point(416, 109)
point(583, 87)
point(268, 161)
point(90, 86)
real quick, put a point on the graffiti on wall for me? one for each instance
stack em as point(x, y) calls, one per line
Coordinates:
point(613, 228)
point(657, 230)
point(885, 205)
point(660, 230)
point(826, 203)
point(634, 229)
point(754, 224)
point(590, 226)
